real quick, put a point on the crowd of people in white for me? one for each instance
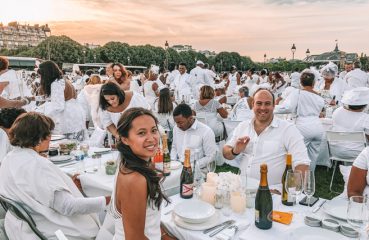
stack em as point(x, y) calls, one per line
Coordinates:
point(279, 113)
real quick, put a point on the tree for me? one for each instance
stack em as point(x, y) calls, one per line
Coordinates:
point(115, 52)
point(60, 49)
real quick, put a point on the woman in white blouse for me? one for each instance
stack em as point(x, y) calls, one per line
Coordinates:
point(307, 105)
point(114, 101)
point(63, 106)
point(89, 99)
point(207, 107)
point(163, 108)
point(241, 110)
point(358, 182)
point(137, 194)
point(52, 198)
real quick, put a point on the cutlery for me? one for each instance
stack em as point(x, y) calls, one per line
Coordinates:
point(229, 222)
point(319, 206)
point(221, 229)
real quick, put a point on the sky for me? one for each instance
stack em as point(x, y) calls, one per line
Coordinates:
point(250, 27)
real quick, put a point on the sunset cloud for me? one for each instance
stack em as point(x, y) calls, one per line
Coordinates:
point(249, 27)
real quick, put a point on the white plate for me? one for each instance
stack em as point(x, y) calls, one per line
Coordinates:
point(175, 165)
point(60, 158)
point(336, 208)
point(309, 233)
point(57, 137)
point(101, 150)
point(194, 211)
point(213, 221)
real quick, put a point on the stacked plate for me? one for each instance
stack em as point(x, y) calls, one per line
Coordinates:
point(195, 215)
point(337, 208)
point(101, 150)
point(61, 159)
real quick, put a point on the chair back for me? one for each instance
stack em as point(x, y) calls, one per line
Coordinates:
point(340, 137)
point(18, 210)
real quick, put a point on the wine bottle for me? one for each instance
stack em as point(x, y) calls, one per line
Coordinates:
point(186, 182)
point(263, 201)
point(287, 199)
point(166, 160)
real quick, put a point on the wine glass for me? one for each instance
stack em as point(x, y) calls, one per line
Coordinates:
point(358, 214)
point(293, 183)
point(211, 166)
point(309, 184)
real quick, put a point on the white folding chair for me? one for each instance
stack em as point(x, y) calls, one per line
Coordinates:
point(341, 137)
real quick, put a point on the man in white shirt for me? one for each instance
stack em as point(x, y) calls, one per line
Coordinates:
point(295, 78)
point(266, 139)
point(182, 84)
point(348, 68)
point(173, 72)
point(357, 77)
point(199, 78)
point(210, 74)
point(193, 134)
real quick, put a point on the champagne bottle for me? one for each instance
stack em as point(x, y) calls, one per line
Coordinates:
point(263, 201)
point(287, 199)
point(158, 160)
point(166, 156)
point(186, 182)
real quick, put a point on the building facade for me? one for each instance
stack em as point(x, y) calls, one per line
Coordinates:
point(15, 35)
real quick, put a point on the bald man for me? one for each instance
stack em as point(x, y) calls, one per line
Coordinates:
point(266, 139)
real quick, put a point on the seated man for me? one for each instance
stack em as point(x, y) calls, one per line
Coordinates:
point(266, 139)
point(191, 133)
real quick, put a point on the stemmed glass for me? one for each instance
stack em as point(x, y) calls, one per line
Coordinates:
point(293, 183)
point(211, 166)
point(358, 214)
point(309, 185)
point(198, 177)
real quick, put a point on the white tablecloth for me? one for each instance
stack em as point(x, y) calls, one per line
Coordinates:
point(99, 184)
point(278, 231)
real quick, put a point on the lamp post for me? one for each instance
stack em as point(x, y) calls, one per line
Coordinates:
point(84, 55)
point(307, 55)
point(166, 46)
point(221, 65)
point(241, 66)
point(293, 50)
point(94, 57)
point(129, 60)
point(265, 57)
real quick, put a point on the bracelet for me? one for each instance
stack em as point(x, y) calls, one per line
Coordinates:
point(234, 154)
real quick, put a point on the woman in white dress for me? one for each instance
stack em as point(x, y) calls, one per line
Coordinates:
point(137, 195)
point(241, 110)
point(152, 85)
point(307, 105)
point(114, 101)
point(51, 197)
point(351, 118)
point(163, 108)
point(234, 80)
point(88, 98)
point(63, 106)
point(207, 107)
point(331, 88)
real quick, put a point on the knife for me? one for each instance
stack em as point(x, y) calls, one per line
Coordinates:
point(217, 226)
point(319, 206)
point(221, 229)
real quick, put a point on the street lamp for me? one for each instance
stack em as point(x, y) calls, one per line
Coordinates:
point(129, 61)
point(307, 54)
point(241, 66)
point(84, 55)
point(265, 57)
point(293, 50)
point(94, 57)
point(166, 46)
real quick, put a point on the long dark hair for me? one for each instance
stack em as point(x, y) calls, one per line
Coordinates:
point(110, 88)
point(132, 162)
point(49, 72)
point(165, 104)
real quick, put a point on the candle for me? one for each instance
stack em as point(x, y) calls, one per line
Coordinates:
point(238, 202)
point(212, 178)
point(208, 193)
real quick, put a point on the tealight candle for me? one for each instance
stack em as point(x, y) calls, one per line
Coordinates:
point(212, 178)
point(208, 191)
point(238, 202)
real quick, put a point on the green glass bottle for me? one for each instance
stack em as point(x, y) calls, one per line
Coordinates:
point(263, 201)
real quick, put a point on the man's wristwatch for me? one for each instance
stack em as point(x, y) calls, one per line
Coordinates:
point(234, 154)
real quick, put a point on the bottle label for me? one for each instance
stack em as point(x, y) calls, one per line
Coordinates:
point(257, 216)
point(167, 167)
point(187, 189)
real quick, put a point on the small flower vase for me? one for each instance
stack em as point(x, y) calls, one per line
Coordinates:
point(110, 167)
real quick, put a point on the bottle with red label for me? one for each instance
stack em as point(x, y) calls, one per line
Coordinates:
point(186, 181)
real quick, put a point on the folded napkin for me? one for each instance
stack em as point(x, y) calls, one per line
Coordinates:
point(229, 233)
point(282, 217)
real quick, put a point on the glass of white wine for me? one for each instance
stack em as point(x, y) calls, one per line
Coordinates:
point(293, 183)
point(309, 185)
